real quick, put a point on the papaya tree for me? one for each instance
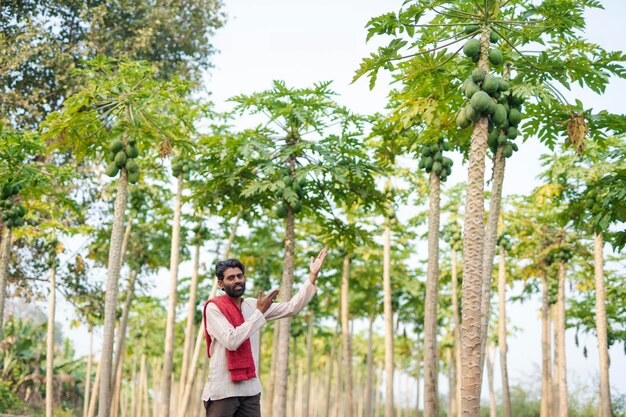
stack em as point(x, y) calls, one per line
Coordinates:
point(307, 149)
point(431, 47)
point(123, 111)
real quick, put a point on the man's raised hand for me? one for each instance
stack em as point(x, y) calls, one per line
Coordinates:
point(316, 264)
point(263, 303)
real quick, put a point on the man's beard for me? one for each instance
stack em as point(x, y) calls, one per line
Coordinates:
point(235, 292)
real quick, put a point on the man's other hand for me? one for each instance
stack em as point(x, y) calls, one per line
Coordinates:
point(263, 303)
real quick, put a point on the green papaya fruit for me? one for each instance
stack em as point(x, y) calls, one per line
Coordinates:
point(490, 85)
point(112, 169)
point(20, 210)
point(7, 190)
point(492, 138)
point(298, 207)
point(478, 75)
point(447, 161)
point(503, 85)
point(472, 48)
point(515, 117)
point(426, 151)
point(437, 167)
point(131, 165)
point(507, 151)
point(428, 162)
point(493, 37)
point(120, 159)
point(471, 113)
point(133, 177)
point(471, 89)
point(501, 140)
point(469, 29)
point(132, 151)
point(116, 145)
point(511, 132)
point(495, 57)
point(421, 164)
point(281, 211)
point(515, 147)
point(461, 120)
point(438, 157)
point(480, 102)
point(499, 116)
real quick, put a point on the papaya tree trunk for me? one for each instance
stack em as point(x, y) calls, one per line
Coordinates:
point(168, 357)
point(93, 400)
point(418, 377)
point(309, 366)
point(388, 313)
point(546, 373)
point(431, 395)
point(50, 344)
point(88, 373)
point(121, 337)
point(506, 396)
point(560, 344)
point(5, 256)
point(473, 245)
point(492, 394)
point(457, 331)
point(369, 393)
point(113, 276)
point(279, 402)
point(601, 330)
point(188, 383)
point(452, 407)
point(191, 308)
point(345, 332)
point(491, 235)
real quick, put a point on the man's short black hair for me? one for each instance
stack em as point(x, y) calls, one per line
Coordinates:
point(222, 266)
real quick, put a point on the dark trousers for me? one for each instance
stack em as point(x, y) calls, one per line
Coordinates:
point(234, 407)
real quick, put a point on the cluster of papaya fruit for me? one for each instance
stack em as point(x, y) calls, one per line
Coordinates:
point(122, 155)
point(472, 47)
point(291, 186)
point(183, 166)
point(559, 255)
point(11, 212)
point(505, 242)
point(491, 96)
point(432, 159)
point(201, 234)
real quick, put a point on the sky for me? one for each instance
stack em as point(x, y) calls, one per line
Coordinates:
point(302, 42)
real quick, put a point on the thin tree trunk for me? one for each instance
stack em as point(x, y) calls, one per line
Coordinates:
point(502, 345)
point(330, 379)
point(5, 256)
point(560, 345)
point(113, 277)
point(309, 365)
point(431, 395)
point(457, 333)
point(554, 392)
point(50, 343)
point(473, 244)
point(168, 357)
point(345, 331)
point(270, 388)
point(115, 402)
point(88, 373)
point(492, 394)
point(388, 312)
point(121, 333)
point(452, 408)
point(188, 385)
point(370, 366)
point(601, 330)
point(95, 391)
point(418, 377)
point(546, 384)
point(191, 308)
point(282, 360)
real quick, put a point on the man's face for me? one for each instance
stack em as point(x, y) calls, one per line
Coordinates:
point(234, 282)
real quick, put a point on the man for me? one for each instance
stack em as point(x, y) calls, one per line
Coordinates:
point(232, 325)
